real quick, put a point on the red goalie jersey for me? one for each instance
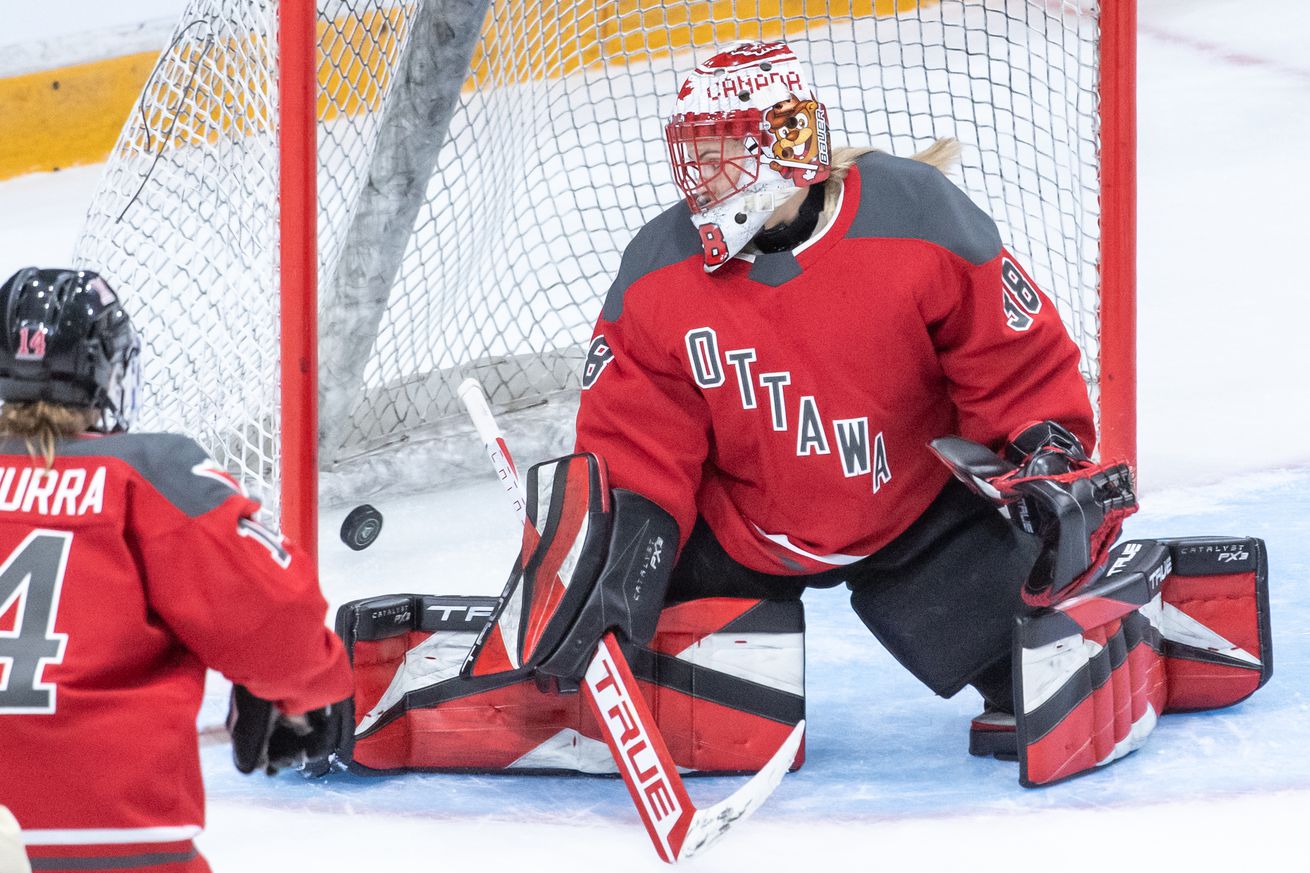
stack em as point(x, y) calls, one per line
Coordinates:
point(128, 568)
point(789, 399)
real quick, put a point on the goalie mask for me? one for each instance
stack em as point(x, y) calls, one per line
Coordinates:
point(64, 338)
point(746, 133)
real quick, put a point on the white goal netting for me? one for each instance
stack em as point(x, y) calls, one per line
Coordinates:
point(481, 166)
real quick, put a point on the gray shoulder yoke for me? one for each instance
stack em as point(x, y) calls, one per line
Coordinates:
point(174, 464)
point(902, 198)
point(667, 239)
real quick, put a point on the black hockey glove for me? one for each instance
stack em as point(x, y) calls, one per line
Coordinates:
point(263, 738)
point(1053, 490)
point(1046, 449)
point(593, 560)
point(628, 594)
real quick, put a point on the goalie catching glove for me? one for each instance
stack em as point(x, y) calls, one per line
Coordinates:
point(265, 738)
point(1053, 490)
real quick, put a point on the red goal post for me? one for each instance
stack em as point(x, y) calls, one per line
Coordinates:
point(298, 270)
point(1118, 285)
point(326, 216)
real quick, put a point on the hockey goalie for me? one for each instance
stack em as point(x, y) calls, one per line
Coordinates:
point(822, 367)
point(1104, 641)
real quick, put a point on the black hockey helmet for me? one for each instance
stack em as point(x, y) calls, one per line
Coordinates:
point(65, 338)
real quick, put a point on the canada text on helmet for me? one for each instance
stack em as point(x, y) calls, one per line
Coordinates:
point(747, 132)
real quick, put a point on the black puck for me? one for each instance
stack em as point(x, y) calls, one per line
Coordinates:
point(361, 527)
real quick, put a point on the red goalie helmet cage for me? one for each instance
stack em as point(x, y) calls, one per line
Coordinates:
point(460, 177)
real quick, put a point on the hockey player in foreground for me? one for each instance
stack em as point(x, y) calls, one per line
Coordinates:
point(131, 564)
point(822, 368)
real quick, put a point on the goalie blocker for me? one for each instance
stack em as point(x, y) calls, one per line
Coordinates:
point(1172, 626)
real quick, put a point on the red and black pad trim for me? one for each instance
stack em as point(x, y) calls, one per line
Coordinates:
point(1103, 708)
point(701, 683)
point(378, 632)
point(656, 667)
point(443, 692)
point(766, 616)
point(1111, 649)
point(564, 547)
point(1134, 574)
point(1218, 639)
point(1174, 625)
point(714, 721)
point(686, 623)
point(663, 677)
point(683, 625)
point(1090, 678)
point(574, 536)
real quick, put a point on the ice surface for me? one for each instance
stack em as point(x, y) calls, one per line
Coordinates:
point(886, 781)
point(1225, 412)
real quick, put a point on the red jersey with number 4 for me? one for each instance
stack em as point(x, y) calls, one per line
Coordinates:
point(789, 398)
point(128, 568)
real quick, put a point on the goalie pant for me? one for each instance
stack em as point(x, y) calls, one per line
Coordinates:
point(1173, 626)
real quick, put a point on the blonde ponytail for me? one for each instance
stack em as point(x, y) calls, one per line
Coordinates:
point(943, 154)
point(42, 424)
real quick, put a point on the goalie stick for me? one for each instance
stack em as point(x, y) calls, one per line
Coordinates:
point(677, 828)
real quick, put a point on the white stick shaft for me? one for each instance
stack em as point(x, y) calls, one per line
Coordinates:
point(677, 829)
point(475, 402)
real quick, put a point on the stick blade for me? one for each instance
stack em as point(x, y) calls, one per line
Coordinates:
point(709, 825)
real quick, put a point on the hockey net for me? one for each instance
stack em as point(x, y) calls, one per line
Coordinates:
point(481, 166)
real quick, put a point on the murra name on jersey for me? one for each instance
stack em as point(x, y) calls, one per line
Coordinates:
point(73, 491)
point(858, 454)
